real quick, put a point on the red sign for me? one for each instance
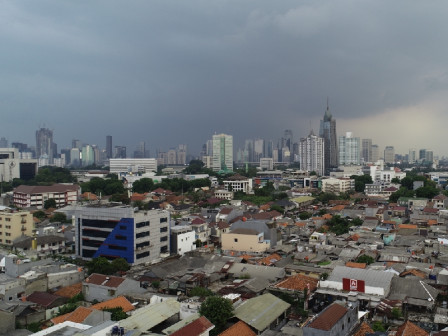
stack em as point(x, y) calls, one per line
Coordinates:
point(353, 285)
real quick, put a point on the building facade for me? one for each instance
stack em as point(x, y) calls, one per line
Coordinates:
point(14, 224)
point(349, 150)
point(118, 166)
point(35, 196)
point(222, 158)
point(44, 143)
point(120, 232)
point(389, 154)
point(311, 153)
point(366, 150)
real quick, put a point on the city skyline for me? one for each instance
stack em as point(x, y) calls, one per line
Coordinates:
point(251, 70)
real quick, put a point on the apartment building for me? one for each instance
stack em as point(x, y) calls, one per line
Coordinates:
point(15, 224)
point(35, 196)
point(119, 231)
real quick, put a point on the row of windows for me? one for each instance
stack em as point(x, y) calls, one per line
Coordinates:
point(162, 239)
point(142, 255)
point(6, 234)
point(142, 224)
point(164, 229)
point(142, 234)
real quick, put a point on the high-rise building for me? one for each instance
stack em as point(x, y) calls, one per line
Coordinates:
point(328, 132)
point(412, 155)
point(76, 144)
point(389, 154)
point(258, 149)
point(349, 149)
point(222, 152)
point(120, 152)
point(87, 156)
point(109, 146)
point(121, 232)
point(429, 157)
point(3, 143)
point(311, 153)
point(422, 155)
point(366, 150)
point(375, 153)
point(44, 144)
point(182, 154)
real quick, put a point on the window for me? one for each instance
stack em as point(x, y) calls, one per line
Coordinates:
point(7, 241)
point(122, 227)
point(8, 226)
point(235, 240)
point(162, 239)
point(7, 234)
point(164, 229)
point(120, 237)
point(8, 219)
point(142, 255)
point(142, 234)
point(142, 224)
point(163, 220)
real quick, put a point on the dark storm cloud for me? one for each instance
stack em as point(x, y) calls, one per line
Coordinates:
point(171, 72)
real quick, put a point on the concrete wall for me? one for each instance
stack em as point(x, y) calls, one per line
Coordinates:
point(64, 279)
point(15, 269)
point(7, 322)
point(243, 243)
point(102, 293)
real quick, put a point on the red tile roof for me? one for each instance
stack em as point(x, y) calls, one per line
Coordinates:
point(119, 301)
point(329, 317)
point(69, 291)
point(195, 328)
point(410, 329)
point(270, 259)
point(105, 280)
point(225, 211)
point(431, 210)
point(42, 298)
point(238, 329)
point(77, 316)
point(364, 329)
point(356, 265)
point(298, 282)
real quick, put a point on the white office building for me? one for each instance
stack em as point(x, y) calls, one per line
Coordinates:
point(136, 166)
point(311, 152)
point(349, 150)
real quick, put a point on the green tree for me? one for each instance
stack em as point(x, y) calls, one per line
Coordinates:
point(120, 265)
point(39, 214)
point(143, 185)
point(305, 215)
point(217, 310)
point(339, 225)
point(276, 207)
point(396, 313)
point(59, 217)
point(361, 181)
point(365, 259)
point(402, 192)
point(50, 203)
point(117, 313)
point(427, 192)
point(100, 265)
point(200, 291)
point(378, 326)
point(357, 221)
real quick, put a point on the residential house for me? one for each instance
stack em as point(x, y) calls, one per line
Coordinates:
point(102, 287)
point(337, 319)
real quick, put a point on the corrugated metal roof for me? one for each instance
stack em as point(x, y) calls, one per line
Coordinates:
point(372, 278)
point(259, 312)
point(148, 317)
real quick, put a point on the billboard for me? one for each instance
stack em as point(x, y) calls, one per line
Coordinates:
point(353, 285)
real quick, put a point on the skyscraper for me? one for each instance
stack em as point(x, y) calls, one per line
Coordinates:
point(222, 158)
point(412, 155)
point(109, 146)
point(375, 153)
point(328, 132)
point(349, 150)
point(44, 144)
point(389, 154)
point(311, 153)
point(366, 150)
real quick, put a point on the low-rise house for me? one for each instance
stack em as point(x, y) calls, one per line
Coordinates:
point(238, 329)
point(102, 287)
point(253, 236)
point(46, 300)
point(35, 196)
point(182, 238)
point(41, 245)
point(337, 319)
point(440, 201)
point(262, 312)
point(365, 285)
point(199, 327)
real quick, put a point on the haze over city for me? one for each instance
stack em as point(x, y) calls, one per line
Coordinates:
point(177, 72)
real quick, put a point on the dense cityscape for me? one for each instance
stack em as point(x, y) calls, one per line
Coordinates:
point(324, 236)
point(223, 168)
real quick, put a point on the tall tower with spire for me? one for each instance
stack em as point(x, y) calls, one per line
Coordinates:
point(328, 132)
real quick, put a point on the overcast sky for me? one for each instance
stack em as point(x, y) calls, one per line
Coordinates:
point(170, 72)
